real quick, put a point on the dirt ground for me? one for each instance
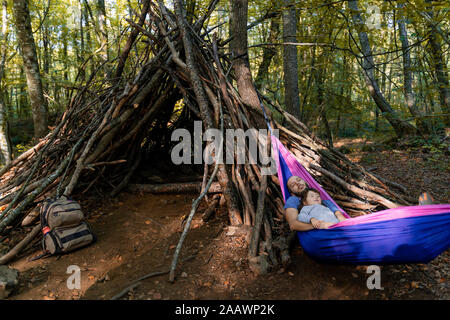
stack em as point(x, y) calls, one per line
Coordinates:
point(137, 235)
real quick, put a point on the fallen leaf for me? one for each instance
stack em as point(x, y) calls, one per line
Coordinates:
point(147, 221)
point(157, 296)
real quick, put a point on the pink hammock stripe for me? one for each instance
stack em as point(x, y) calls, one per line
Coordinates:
point(396, 213)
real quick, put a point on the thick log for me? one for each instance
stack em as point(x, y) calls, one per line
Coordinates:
point(211, 210)
point(192, 187)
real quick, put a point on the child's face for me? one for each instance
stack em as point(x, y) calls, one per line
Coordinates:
point(312, 198)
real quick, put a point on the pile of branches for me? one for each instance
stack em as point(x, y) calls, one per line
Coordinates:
point(106, 126)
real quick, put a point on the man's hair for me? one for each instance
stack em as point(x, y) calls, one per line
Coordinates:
point(305, 193)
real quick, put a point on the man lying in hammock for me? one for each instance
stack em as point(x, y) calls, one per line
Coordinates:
point(315, 215)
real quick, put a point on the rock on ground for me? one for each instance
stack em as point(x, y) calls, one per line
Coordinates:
point(8, 281)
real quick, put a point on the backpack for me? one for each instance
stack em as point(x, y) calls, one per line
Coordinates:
point(63, 226)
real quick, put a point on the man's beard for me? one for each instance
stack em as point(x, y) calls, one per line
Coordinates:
point(298, 194)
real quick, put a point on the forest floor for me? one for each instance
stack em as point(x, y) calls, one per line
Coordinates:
point(137, 235)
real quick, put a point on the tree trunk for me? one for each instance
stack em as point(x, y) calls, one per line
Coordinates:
point(30, 61)
point(401, 128)
point(5, 143)
point(422, 125)
point(290, 60)
point(101, 12)
point(321, 104)
point(441, 72)
point(268, 52)
point(239, 49)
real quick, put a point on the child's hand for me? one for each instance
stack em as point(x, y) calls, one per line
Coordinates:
point(340, 216)
point(317, 224)
point(326, 225)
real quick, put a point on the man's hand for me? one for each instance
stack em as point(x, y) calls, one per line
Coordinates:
point(294, 224)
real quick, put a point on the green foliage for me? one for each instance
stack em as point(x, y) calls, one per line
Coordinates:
point(22, 148)
point(432, 144)
point(61, 49)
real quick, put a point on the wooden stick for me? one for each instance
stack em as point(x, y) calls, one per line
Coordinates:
point(253, 247)
point(196, 201)
point(212, 205)
point(364, 194)
point(103, 163)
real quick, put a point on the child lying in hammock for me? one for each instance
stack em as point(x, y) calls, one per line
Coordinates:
point(313, 212)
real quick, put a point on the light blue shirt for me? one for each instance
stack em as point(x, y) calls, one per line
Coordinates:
point(317, 211)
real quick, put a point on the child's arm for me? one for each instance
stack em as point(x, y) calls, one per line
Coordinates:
point(317, 224)
point(340, 216)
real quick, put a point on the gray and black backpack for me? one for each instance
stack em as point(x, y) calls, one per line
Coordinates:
point(64, 226)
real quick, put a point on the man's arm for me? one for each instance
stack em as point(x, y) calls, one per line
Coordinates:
point(294, 224)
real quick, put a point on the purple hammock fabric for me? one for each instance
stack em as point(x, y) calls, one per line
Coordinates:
point(414, 234)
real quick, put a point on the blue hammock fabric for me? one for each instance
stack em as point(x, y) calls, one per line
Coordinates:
point(415, 234)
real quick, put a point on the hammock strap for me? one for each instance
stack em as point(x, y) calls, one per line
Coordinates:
point(264, 112)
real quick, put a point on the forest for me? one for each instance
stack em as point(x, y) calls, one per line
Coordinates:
point(93, 91)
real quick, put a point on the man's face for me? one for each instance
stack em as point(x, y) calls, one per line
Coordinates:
point(312, 198)
point(296, 185)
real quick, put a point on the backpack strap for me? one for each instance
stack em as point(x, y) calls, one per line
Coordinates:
point(40, 256)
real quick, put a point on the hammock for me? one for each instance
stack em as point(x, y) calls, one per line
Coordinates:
point(414, 234)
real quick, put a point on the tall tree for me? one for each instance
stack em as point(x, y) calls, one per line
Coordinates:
point(268, 51)
point(290, 59)
point(407, 72)
point(28, 51)
point(5, 143)
point(101, 14)
point(439, 67)
point(239, 49)
point(401, 127)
